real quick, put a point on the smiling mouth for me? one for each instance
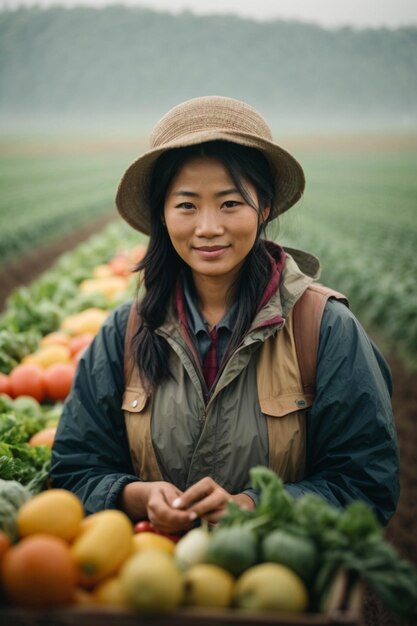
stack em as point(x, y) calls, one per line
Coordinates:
point(210, 248)
point(210, 251)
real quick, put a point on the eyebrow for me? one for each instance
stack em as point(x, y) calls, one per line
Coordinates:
point(193, 194)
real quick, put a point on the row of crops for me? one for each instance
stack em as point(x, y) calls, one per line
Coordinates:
point(43, 332)
point(359, 216)
point(53, 189)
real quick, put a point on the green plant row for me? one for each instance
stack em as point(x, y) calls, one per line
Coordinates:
point(358, 217)
point(45, 196)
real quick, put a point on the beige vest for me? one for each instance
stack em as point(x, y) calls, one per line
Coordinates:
point(285, 385)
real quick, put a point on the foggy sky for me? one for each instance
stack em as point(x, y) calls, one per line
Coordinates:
point(329, 13)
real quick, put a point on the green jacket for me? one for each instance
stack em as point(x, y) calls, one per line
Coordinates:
point(350, 441)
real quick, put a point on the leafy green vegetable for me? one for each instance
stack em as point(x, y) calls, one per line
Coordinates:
point(14, 346)
point(26, 313)
point(275, 507)
point(349, 538)
point(19, 420)
point(28, 464)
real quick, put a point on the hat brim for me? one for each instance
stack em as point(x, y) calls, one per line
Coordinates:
point(132, 198)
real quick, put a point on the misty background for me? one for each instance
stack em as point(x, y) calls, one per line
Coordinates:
point(121, 67)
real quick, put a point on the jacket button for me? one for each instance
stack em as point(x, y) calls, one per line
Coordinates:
point(300, 403)
point(135, 403)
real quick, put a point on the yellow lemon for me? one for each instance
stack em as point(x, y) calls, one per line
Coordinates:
point(151, 581)
point(271, 587)
point(54, 512)
point(208, 585)
point(110, 593)
point(49, 355)
point(88, 321)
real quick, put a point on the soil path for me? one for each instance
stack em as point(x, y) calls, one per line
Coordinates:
point(29, 266)
point(402, 529)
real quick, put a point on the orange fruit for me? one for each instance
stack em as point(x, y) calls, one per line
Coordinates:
point(137, 253)
point(4, 384)
point(121, 266)
point(27, 380)
point(55, 512)
point(39, 572)
point(54, 339)
point(58, 380)
point(44, 437)
point(145, 540)
point(49, 355)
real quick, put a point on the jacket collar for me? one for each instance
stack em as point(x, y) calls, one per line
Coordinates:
point(298, 271)
point(291, 272)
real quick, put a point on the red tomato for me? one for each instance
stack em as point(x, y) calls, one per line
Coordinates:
point(58, 380)
point(145, 526)
point(27, 380)
point(4, 384)
point(79, 342)
point(121, 266)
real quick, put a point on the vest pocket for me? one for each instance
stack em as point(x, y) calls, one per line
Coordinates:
point(137, 409)
point(285, 417)
point(279, 406)
point(134, 400)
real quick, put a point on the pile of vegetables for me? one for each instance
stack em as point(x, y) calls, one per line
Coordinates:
point(66, 289)
point(46, 326)
point(283, 556)
point(316, 540)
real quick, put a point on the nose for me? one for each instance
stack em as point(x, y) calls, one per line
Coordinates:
point(209, 222)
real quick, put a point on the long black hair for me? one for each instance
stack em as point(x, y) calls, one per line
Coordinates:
point(161, 265)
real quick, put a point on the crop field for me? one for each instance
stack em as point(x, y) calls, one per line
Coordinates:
point(359, 216)
point(50, 189)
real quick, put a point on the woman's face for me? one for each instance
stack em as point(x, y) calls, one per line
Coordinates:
point(210, 224)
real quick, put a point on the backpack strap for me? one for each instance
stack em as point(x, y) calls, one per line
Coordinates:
point(307, 314)
point(131, 328)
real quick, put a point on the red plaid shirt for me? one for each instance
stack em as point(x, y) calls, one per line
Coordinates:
point(210, 364)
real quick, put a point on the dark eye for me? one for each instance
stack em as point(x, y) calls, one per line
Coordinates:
point(185, 205)
point(230, 204)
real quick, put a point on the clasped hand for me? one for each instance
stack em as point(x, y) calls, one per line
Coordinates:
point(171, 510)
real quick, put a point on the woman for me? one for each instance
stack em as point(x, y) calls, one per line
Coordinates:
point(181, 394)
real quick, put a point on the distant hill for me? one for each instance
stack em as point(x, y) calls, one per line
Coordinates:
point(134, 62)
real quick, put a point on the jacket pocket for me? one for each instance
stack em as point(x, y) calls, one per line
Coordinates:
point(279, 406)
point(137, 409)
point(134, 400)
point(285, 417)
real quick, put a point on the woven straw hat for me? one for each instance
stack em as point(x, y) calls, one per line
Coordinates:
point(196, 121)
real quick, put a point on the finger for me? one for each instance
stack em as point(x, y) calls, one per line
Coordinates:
point(165, 518)
point(213, 502)
point(214, 516)
point(195, 493)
